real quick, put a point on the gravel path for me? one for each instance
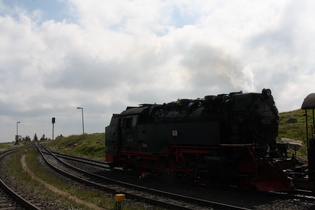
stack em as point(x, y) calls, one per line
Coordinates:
point(56, 190)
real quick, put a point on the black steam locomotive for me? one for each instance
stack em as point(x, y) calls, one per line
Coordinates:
point(229, 138)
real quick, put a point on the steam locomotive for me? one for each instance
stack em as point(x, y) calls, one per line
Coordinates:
point(227, 138)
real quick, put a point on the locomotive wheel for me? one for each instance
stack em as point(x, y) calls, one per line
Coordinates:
point(155, 168)
point(156, 172)
point(174, 170)
point(151, 167)
point(171, 165)
point(125, 167)
point(246, 183)
point(205, 179)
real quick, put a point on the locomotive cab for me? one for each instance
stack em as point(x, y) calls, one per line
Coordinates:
point(111, 141)
point(121, 134)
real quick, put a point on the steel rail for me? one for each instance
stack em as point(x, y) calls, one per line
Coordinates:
point(297, 193)
point(191, 200)
point(92, 162)
point(14, 195)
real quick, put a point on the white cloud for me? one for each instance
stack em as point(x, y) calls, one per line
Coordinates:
point(106, 55)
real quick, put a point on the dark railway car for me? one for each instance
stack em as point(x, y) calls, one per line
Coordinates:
point(228, 138)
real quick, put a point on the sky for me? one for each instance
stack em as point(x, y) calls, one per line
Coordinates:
point(105, 55)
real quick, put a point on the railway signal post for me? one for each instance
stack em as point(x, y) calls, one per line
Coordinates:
point(53, 120)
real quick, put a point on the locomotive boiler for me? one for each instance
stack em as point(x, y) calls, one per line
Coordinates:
point(227, 138)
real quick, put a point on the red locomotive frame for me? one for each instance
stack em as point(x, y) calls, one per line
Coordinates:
point(254, 172)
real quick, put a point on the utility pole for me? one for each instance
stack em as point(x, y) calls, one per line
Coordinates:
point(17, 133)
point(82, 122)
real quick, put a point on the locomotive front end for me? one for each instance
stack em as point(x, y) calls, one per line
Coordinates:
point(253, 119)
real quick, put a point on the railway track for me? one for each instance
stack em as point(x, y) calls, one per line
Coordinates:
point(297, 196)
point(9, 198)
point(145, 194)
point(91, 162)
point(6, 201)
point(65, 164)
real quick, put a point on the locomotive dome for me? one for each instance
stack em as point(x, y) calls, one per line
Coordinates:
point(309, 102)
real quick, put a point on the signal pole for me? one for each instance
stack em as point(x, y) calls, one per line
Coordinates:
point(82, 122)
point(53, 120)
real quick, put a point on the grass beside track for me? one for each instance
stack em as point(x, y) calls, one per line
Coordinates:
point(96, 197)
point(91, 146)
point(11, 145)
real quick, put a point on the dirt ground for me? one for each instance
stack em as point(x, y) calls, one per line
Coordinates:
point(56, 190)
